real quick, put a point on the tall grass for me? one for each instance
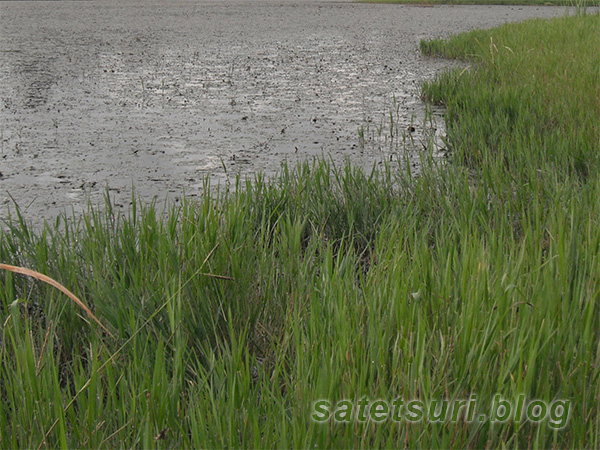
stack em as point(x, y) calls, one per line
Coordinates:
point(233, 314)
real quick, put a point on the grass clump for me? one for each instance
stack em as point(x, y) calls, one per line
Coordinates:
point(233, 314)
point(534, 108)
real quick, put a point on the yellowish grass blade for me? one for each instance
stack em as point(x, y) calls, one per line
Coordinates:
point(57, 285)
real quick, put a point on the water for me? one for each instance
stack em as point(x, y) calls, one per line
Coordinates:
point(99, 96)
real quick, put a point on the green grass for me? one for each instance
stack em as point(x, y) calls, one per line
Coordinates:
point(579, 4)
point(470, 2)
point(233, 314)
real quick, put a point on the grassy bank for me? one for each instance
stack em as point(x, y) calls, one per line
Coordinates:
point(232, 315)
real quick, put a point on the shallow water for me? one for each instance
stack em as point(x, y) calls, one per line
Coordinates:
point(159, 95)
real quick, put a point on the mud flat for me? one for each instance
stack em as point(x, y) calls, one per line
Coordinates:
point(99, 96)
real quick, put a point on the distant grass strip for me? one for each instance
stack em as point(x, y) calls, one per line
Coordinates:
point(574, 3)
point(235, 313)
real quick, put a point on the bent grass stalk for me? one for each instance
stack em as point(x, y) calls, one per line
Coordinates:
point(46, 279)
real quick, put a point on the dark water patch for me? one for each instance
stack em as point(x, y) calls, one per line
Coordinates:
point(37, 79)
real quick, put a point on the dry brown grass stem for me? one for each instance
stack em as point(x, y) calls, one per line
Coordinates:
point(46, 279)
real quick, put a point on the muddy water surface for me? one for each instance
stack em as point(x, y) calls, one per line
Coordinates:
point(160, 95)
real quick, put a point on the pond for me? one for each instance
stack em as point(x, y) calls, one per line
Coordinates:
point(160, 95)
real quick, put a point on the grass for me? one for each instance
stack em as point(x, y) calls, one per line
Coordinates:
point(470, 2)
point(579, 4)
point(233, 314)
